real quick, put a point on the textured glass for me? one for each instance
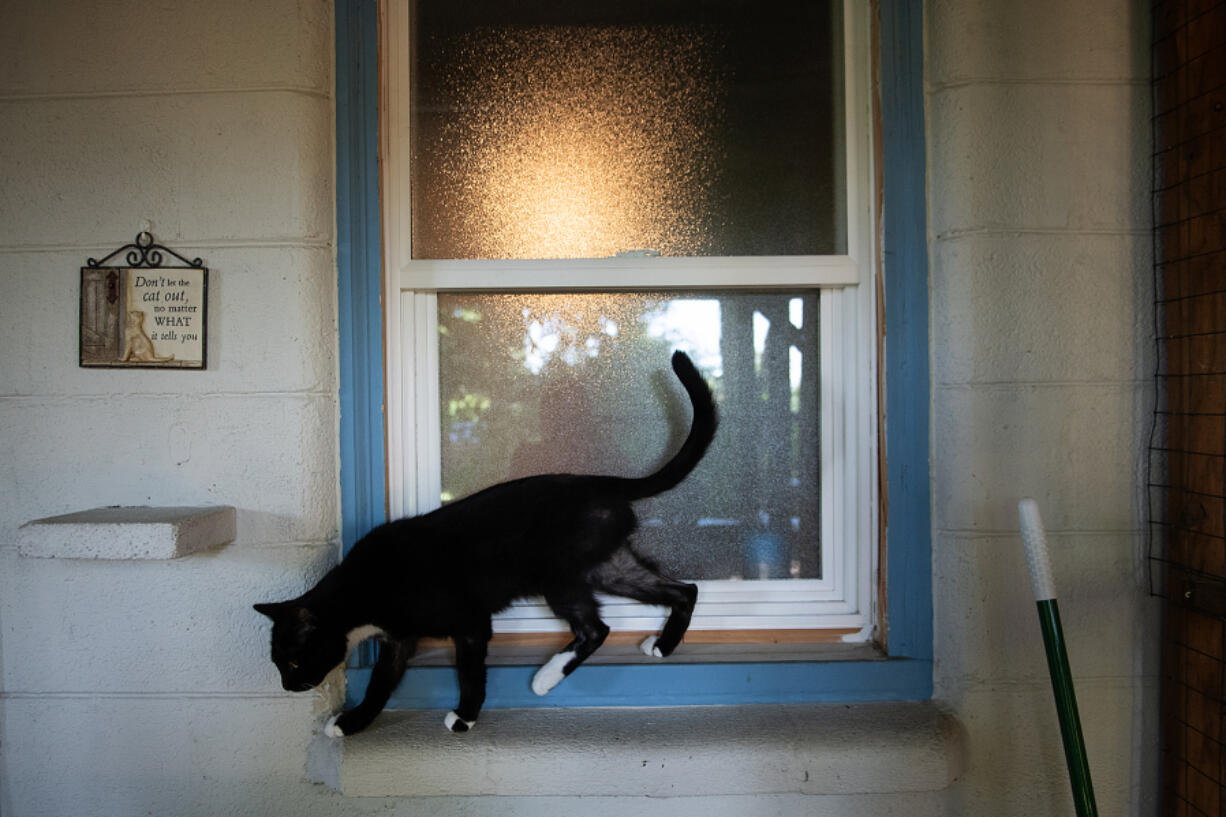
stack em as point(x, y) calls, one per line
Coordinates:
point(577, 129)
point(580, 383)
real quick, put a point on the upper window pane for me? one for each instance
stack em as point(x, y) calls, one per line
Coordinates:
point(577, 129)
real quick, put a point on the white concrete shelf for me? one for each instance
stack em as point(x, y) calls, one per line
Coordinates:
point(128, 533)
point(659, 751)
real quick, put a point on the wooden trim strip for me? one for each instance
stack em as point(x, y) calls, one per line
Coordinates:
point(623, 637)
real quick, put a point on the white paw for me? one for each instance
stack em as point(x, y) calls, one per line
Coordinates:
point(548, 676)
point(649, 647)
point(331, 729)
point(452, 719)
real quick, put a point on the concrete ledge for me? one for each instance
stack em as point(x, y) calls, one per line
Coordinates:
point(659, 752)
point(128, 533)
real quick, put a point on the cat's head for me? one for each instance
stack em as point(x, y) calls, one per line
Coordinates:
point(304, 648)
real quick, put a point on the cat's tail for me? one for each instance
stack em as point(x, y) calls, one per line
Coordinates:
point(702, 431)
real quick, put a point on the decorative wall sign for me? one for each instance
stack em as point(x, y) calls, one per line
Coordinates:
point(147, 314)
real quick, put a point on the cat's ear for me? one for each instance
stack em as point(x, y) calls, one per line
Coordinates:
point(287, 611)
point(271, 609)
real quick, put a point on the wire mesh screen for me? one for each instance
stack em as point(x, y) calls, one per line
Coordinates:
point(1187, 480)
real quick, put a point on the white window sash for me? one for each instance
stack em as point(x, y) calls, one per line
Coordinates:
point(777, 604)
point(632, 273)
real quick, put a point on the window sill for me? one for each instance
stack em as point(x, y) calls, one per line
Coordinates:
point(771, 680)
point(892, 747)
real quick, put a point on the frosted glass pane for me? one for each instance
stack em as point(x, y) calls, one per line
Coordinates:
point(580, 383)
point(577, 129)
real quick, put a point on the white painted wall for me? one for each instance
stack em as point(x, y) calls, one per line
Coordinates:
point(1040, 283)
point(143, 687)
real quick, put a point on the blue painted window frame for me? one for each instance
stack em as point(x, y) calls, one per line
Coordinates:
point(907, 673)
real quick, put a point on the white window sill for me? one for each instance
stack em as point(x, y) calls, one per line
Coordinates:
point(659, 752)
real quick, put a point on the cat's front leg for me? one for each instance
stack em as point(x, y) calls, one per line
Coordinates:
point(470, 652)
point(388, 670)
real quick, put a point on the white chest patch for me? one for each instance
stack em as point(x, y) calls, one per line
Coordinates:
point(359, 634)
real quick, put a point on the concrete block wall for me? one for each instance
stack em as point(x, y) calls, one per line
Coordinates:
point(134, 687)
point(1038, 117)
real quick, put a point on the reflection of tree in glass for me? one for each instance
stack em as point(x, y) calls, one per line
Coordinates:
point(519, 375)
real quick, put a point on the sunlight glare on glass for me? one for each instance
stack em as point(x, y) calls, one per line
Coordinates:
point(693, 326)
point(761, 328)
point(796, 375)
point(576, 142)
point(796, 312)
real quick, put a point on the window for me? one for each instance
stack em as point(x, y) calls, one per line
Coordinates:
point(570, 192)
point(575, 189)
point(905, 580)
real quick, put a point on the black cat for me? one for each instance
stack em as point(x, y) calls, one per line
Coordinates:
point(444, 574)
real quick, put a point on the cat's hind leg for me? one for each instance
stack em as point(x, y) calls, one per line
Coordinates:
point(632, 576)
point(581, 611)
point(388, 670)
point(470, 652)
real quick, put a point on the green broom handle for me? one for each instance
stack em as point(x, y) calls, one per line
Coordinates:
point(1035, 540)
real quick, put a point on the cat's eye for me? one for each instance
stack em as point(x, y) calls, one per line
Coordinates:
point(293, 665)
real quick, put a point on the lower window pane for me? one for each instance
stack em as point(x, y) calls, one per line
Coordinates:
point(580, 383)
